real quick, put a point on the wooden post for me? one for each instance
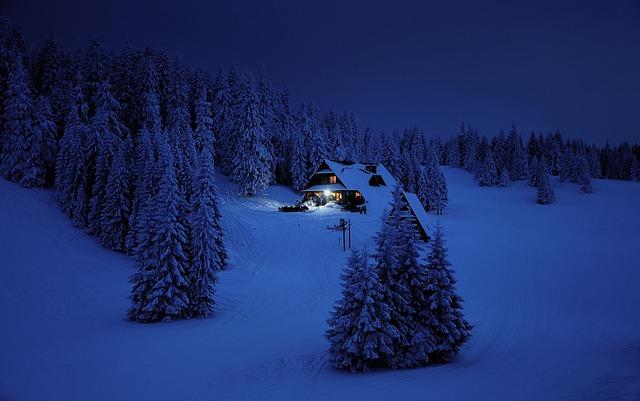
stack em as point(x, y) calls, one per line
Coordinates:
point(349, 222)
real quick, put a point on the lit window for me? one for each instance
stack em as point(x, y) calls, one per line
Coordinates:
point(332, 179)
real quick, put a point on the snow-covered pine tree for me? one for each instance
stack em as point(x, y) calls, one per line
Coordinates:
point(116, 209)
point(203, 134)
point(582, 174)
point(389, 271)
point(413, 275)
point(544, 191)
point(205, 236)
point(488, 174)
point(222, 119)
point(444, 315)
point(299, 161)
point(535, 171)
point(17, 142)
point(424, 188)
point(566, 165)
point(282, 137)
point(108, 132)
point(160, 286)
point(146, 186)
point(361, 333)
point(317, 140)
point(41, 160)
point(71, 171)
point(504, 180)
point(252, 161)
point(440, 196)
point(517, 156)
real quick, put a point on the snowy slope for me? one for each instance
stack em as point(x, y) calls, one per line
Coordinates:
point(551, 290)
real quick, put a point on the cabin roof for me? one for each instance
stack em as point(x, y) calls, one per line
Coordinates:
point(418, 210)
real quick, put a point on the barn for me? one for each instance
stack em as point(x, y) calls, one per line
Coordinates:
point(359, 187)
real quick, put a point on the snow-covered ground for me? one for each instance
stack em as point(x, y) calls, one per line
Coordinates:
point(552, 292)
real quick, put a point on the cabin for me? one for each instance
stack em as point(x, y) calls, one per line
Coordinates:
point(359, 187)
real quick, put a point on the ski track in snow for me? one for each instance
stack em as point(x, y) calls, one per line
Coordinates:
point(551, 290)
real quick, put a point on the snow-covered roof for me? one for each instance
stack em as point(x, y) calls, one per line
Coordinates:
point(418, 210)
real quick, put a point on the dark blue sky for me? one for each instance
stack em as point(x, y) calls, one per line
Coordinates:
point(573, 66)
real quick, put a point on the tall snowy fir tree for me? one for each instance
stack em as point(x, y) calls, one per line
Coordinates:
point(205, 238)
point(582, 174)
point(488, 175)
point(544, 191)
point(299, 161)
point(109, 132)
point(161, 286)
point(444, 315)
point(252, 161)
point(71, 167)
point(388, 268)
point(413, 275)
point(17, 141)
point(116, 209)
point(361, 333)
point(39, 164)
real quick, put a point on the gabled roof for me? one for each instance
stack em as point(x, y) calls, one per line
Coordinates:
point(418, 210)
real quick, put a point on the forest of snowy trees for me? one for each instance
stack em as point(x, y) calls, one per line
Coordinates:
point(129, 141)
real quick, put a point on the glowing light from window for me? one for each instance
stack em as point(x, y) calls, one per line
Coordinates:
point(327, 193)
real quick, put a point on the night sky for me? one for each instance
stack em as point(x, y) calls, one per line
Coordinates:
point(547, 65)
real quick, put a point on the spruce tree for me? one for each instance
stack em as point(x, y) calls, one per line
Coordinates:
point(114, 216)
point(72, 175)
point(444, 314)
point(582, 175)
point(544, 191)
point(413, 275)
point(390, 273)
point(361, 332)
point(161, 287)
point(488, 175)
point(252, 161)
point(504, 180)
point(108, 132)
point(17, 142)
point(206, 236)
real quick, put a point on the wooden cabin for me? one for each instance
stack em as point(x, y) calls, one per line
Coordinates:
point(359, 187)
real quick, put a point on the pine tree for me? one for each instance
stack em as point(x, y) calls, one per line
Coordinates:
point(388, 268)
point(252, 161)
point(582, 175)
point(17, 145)
point(544, 191)
point(535, 171)
point(488, 175)
point(517, 156)
point(71, 163)
point(205, 236)
point(444, 314)
point(413, 275)
point(361, 332)
point(223, 121)
point(440, 196)
point(114, 216)
point(108, 132)
point(504, 180)
point(40, 162)
point(203, 134)
point(161, 287)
